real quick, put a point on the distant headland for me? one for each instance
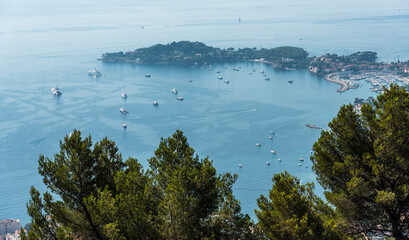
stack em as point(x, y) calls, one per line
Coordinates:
point(345, 70)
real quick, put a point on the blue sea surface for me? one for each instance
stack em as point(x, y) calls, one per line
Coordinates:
point(46, 43)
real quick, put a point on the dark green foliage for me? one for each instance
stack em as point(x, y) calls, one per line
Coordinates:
point(179, 197)
point(293, 211)
point(188, 53)
point(363, 163)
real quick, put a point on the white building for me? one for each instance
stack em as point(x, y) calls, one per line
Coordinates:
point(9, 226)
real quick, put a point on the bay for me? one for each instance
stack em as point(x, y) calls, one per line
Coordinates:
point(47, 43)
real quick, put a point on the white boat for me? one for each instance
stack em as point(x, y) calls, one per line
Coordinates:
point(240, 165)
point(258, 144)
point(226, 81)
point(311, 152)
point(179, 98)
point(299, 164)
point(124, 95)
point(94, 72)
point(147, 75)
point(301, 159)
point(273, 151)
point(279, 159)
point(220, 77)
point(268, 163)
point(56, 91)
point(155, 103)
point(262, 71)
point(124, 125)
point(272, 132)
point(174, 90)
point(123, 110)
point(270, 137)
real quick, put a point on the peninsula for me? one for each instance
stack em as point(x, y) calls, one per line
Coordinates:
point(345, 70)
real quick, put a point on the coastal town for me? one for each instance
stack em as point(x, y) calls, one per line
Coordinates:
point(10, 229)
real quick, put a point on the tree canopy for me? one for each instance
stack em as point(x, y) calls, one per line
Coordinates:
point(363, 163)
point(293, 211)
point(97, 196)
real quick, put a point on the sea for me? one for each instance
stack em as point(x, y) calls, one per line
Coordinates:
point(47, 43)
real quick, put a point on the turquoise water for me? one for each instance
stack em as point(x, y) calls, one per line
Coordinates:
point(46, 43)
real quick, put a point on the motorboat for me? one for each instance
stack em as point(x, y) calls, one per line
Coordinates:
point(299, 164)
point(273, 151)
point(272, 132)
point(123, 110)
point(155, 103)
point(124, 95)
point(258, 144)
point(217, 71)
point(240, 165)
point(301, 159)
point(290, 81)
point(220, 77)
point(311, 152)
point(268, 163)
point(190, 80)
point(56, 91)
point(124, 125)
point(266, 79)
point(226, 81)
point(262, 71)
point(179, 98)
point(174, 90)
point(147, 75)
point(270, 137)
point(94, 72)
point(279, 159)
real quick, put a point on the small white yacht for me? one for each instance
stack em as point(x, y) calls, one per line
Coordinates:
point(123, 110)
point(262, 71)
point(124, 95)
point(268, 163)
point(299, 164)
point(226, 81)
point(301, 159)
point(179, 98)
point(273, 151)
point(94, 72)
point(240, 165)
point(270, 137)
point(124, 125)
point(56, 91)
point(279, 159)
point(220, 77)
point(258, 144)
point(155, 103)
point(147, 75)
point(272, 132)
point(174, 90)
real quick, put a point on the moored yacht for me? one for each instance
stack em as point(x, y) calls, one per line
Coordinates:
point(220, 77)
point(94, 72)
point(123, 110)
point(179, 98)
point(226, 81)
point(174, 90)
point(155, 103)
point(124, 95)
point(124, 125)
point(147, 75)
point(56, 91)
point(301, 159)
point(273, 151)
point(258, 144)
point(290, 81)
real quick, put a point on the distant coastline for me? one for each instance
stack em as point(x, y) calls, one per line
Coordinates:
point(344, 70)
